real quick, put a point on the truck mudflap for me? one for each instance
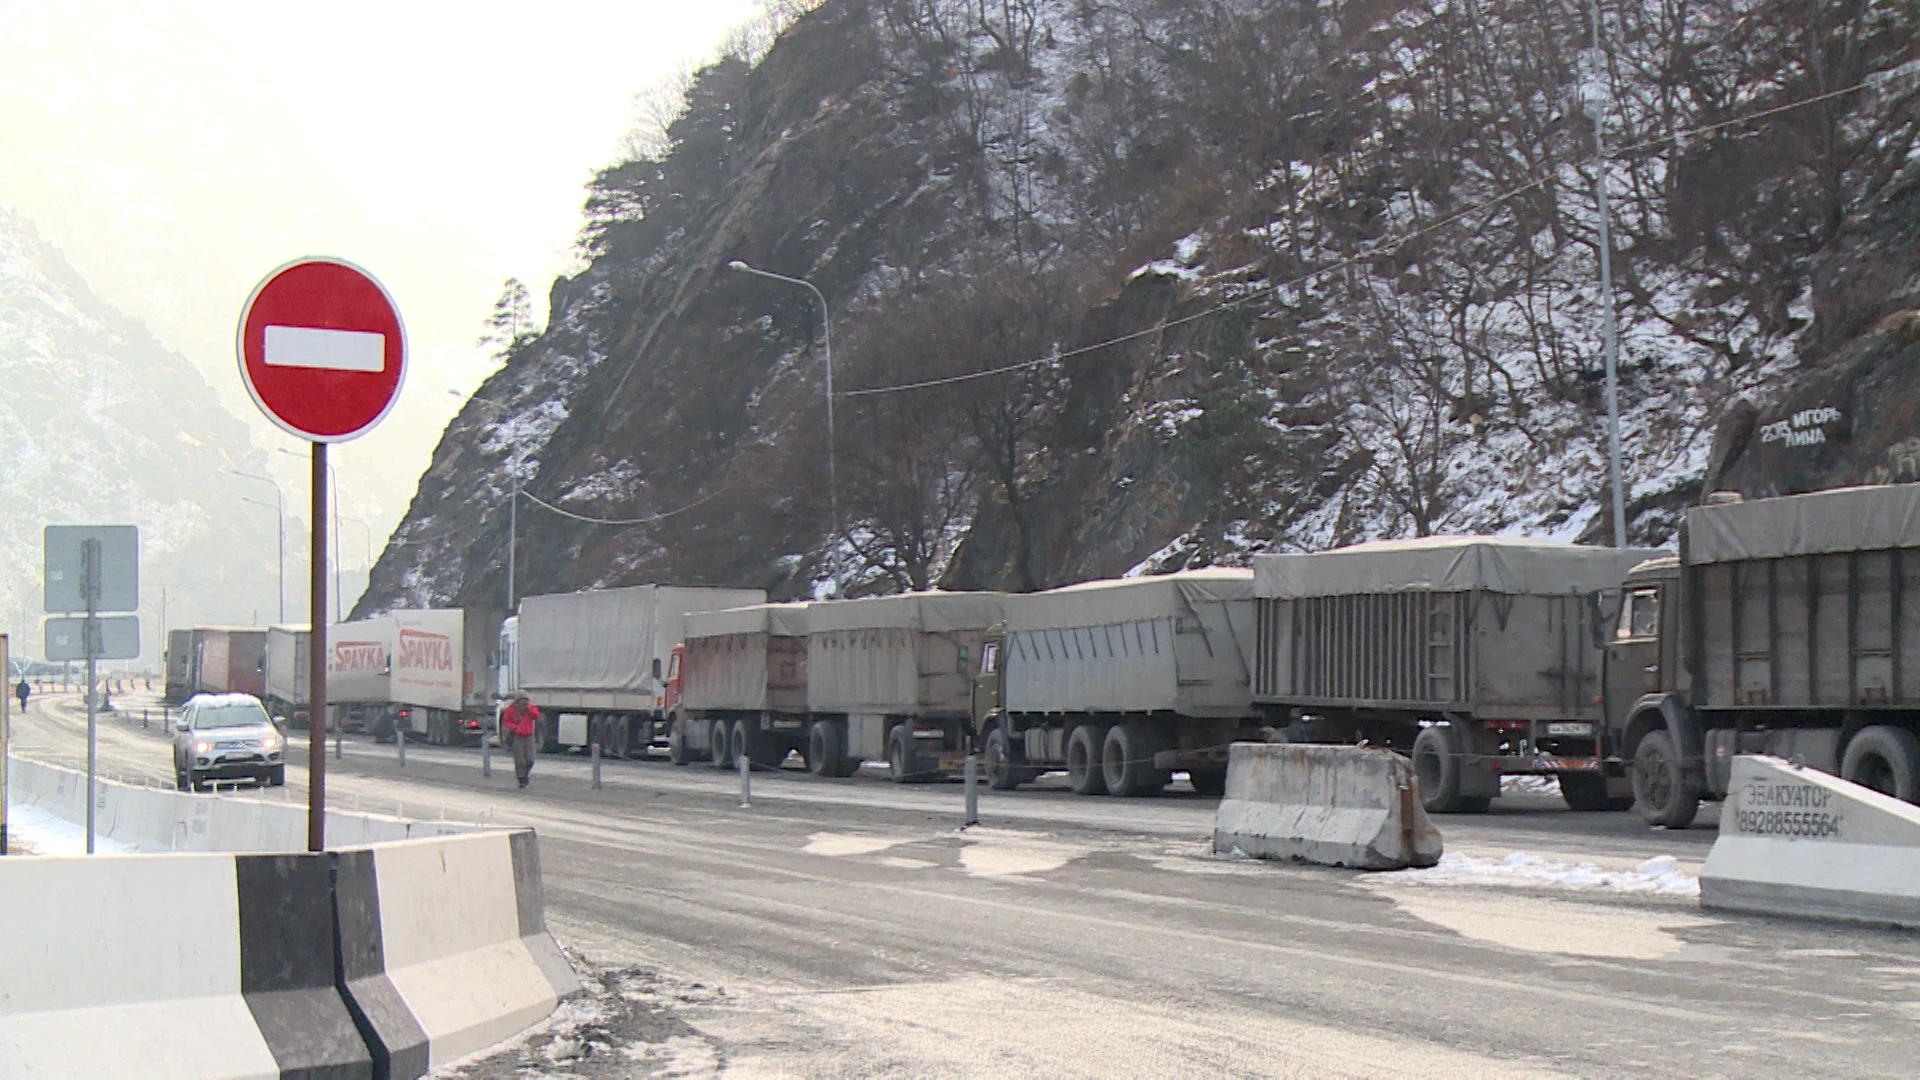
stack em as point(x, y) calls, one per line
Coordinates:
point(1546, 763)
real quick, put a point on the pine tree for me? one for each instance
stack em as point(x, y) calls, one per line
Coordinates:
point(511, 323)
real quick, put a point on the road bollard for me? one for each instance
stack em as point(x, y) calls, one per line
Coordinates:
point(400, 737)
point(746, 781)
point(486, 754)
point(973, 789)
point(339, 744)
point(143, 719)
point(595, 751)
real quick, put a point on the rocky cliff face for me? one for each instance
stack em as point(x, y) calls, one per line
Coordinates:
point(102, 424)
point(1156, 283)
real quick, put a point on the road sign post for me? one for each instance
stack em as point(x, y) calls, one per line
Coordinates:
point(6, 734)
point(323, 353)
point(91, 569)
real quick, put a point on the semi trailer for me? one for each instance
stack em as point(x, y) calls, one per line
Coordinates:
point(215, 660)
point(1786, 626)
point(360, 676)
point(1475, 655)
point(285, 677)
point(1120, 683)
point(738, 685)
point(179, 664)
point(595, 661)
point(442, 677)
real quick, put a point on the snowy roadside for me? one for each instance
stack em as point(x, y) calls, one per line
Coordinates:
point(33, 831)
point(1662, 875)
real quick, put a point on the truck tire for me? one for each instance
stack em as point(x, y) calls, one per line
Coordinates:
point(1660, 790)
point(620, 736)
point(1587, 791)
point(1003, 774)
point(1209, 782)
point(1437, 761)
point(677, 740)
point(902, 764)
point(827, 750)
point(1885, 759)
point(1126, 761)
point(1085, 746)
point(720, 744)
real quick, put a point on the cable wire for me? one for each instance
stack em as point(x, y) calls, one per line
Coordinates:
point(648, 520)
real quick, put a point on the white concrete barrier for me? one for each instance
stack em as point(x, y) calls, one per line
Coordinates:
point(447, 949)
point(1335, 805)
point(1797, 841)
point(177, 966)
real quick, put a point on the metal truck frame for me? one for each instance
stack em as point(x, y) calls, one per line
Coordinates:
point(1787, 626)
point(1477, 656)
point(1120, 683)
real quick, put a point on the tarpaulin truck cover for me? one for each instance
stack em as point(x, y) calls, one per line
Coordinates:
point(1820, 523)
point(905, 655)
point(1167, 643)
point(751, 659)
point(1515, 566)
point(596, 649)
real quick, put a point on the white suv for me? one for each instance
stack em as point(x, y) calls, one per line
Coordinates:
point(226, 737)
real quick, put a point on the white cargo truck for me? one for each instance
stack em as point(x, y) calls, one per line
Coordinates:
point(286, 673)
point(595, 662)
point(360, 676)
point(443, 673)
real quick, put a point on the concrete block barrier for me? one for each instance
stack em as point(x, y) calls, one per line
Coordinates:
point(447, 950)
point(1334, 805)
point(170, 967)
point(1797, 841)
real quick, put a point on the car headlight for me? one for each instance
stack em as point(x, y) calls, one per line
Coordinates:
point(202, 747)
point(271, 742)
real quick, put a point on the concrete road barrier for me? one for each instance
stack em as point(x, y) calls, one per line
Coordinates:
point(180, 966)
point(448, 951)
point(1797, 841)
point(1334, 805)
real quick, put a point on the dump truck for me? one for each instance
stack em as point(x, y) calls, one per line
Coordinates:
point(1121, 683)
point(1476, 655)
point(889, 678)
point(286, 673)
point(1787, 626)
point(595, 662)
point(737, 685)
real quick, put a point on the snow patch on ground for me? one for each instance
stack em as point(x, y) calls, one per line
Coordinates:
point(40, 832)
point(1530, 785)
point(1660, 875)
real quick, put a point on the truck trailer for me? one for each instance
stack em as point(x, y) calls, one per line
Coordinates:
point(595, 662)
point(220, 659)
point(1476, 655)
point(1120, 683)
point(738, 685)
point(360, 676)
point(889, 678)
point(179, 663)
point(286, 673)
point(443, 677)
point(1786, 626)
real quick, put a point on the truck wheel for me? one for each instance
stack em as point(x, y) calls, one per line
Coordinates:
point(743, 743)
point(1085, 774)
point(1588, 791)
point(1885, 759)
point(1002, 773)
point(619, 736)
point(1209, 782)
point(903, 766)
point(825, 747)
point(1660, 786)
point(1126, 761)
point(547, 735)
point(677, 740)
point(1437, 762)
point(720, 744)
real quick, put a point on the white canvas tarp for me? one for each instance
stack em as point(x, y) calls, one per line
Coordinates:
point(605, 641)
point(1845, 519)
point(286, 675)
point(931, 612)
point(1514, 566)
point(781, 620)
point(1128, 600)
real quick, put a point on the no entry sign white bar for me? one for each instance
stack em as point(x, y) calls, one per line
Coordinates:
point(332, 350)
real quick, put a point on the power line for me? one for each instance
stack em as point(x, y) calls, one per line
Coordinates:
point(1371, 253)
point(648, 520)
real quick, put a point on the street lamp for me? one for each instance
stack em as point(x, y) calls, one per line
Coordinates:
point(280, 507)
point(513, 506)
point(826, 337)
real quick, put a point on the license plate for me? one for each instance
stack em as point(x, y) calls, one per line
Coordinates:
point(1570, 729)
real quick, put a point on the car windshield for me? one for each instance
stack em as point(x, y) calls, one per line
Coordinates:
point(229, 716)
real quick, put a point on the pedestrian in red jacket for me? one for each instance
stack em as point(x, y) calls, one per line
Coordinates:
point(518, 720)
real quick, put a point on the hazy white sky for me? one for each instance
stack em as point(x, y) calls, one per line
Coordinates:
point(177, 151)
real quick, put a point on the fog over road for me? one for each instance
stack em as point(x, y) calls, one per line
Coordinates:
point(851, 929)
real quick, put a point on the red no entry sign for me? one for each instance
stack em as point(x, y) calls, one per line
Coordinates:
point(322, 349)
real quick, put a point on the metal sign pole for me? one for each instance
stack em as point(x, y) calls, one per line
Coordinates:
point(90, 584)
point(6, 733)
point(317, 660)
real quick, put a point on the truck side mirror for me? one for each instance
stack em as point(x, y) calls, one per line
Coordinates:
point(1599, 622)
point(656, 669)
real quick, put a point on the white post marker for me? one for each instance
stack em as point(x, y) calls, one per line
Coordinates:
point(323, 353)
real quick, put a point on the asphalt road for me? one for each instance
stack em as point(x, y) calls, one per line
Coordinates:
point(852, 929)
